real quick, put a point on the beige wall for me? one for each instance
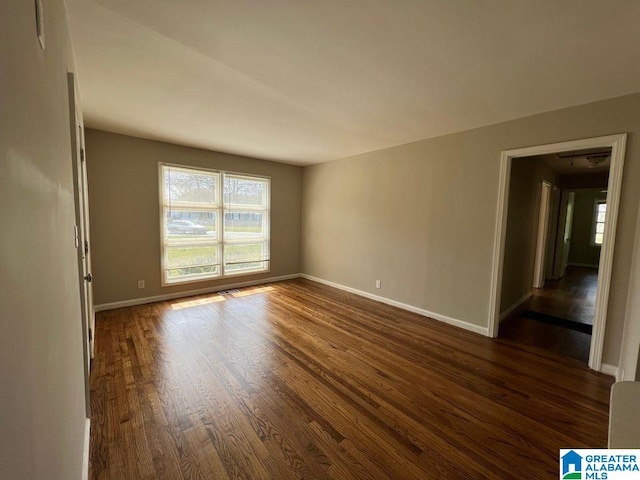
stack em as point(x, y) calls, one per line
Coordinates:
point(525, 189)
point(42, 402)
point(581, 250)
point(421, 217)
point(125, 219)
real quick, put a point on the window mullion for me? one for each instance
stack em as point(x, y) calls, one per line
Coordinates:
point(222, 223)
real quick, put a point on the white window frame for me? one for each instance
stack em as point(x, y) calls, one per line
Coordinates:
point(220, 208)
point(594, 221)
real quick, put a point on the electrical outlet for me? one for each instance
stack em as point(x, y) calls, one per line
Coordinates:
point(378, 284)
point(140, 284)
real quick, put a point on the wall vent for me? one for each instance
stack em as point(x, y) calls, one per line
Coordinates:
point(228, 292)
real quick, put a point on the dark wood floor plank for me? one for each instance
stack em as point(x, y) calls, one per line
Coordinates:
point(313, 371)
point(297, 380)
point(571, 298)
point(456, 420)
point(499, 391)
point(453, 344)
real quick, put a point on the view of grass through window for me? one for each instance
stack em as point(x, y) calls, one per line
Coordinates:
point(214, 224)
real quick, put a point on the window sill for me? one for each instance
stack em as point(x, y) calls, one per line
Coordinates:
point(165, 284)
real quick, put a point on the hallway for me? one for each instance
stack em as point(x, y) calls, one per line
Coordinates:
point(559, 316)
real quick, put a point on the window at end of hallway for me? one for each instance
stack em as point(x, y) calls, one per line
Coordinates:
point(599, 215)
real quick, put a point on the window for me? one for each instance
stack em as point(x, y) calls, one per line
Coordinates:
point(214, 224)
point(599, 215)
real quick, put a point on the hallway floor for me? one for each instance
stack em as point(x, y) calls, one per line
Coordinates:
point(559, 316)
point(573, 297)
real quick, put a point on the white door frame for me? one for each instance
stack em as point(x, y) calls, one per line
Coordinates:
point(81, 214)
point(87, 239)
point(617, 143)
point(543, 230)
point(567, 196)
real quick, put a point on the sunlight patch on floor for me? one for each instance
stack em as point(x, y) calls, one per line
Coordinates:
point(196, 303)
point(244, 293)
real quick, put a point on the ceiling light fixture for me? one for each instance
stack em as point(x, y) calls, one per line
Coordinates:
point(595, 160)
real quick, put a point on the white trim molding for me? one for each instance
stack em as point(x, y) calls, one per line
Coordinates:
point(610, 370)
point(631, 333)
point(617, 143)
point(85, 453)
point(513, 307)
point(189, 293)
point(410, 308)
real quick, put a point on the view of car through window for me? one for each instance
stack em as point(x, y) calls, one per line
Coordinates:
point(185, 226)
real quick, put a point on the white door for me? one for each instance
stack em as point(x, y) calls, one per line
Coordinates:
point(541, 244)
point(86, 240)
point(563, 242)
point(554, 210)
point(566, 240)
point(82, 231)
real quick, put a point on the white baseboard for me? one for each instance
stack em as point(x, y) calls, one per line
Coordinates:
point(519, 302)
point(420, 311)
point(170, 296)
point(585, 265)
point(610, 370)
point(85, 455)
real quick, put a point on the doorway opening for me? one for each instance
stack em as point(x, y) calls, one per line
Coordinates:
point(555, 236)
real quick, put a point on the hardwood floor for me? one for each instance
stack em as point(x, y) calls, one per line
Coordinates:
point(570, 298)
point(299, 380)
point(573, 297)
point(553, 338)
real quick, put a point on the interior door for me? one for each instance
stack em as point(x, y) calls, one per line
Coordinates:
point(563, 240)
point(86, 240)
point(81, 229)
point(554, 211)
point(541, 243)
point(568, 224)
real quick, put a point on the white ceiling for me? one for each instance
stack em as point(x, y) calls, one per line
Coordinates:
point(305, 81)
